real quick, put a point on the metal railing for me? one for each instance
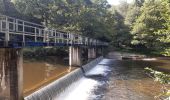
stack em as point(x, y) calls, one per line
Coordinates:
point(16, 30)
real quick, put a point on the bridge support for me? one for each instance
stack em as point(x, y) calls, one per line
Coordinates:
point(11, 74)
point(91, 53)
point(100, 51)
point(75, 56)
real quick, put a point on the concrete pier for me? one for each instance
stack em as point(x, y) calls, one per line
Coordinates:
point(92, 53)
point(75, 56)
point(11, 74)
point(99, 51)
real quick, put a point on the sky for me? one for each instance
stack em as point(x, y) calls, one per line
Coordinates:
point(116, 2)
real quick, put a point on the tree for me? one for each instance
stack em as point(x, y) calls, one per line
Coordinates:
point(87, 17)
point(35, 8)
point(132, 15)
point(121, 34)
point(133, 12)
point(123, 8)
point(147, 24)
point(138, 3)
point(164, 33)
point(8, 8)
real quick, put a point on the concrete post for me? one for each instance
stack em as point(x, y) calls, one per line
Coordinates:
point(11, 74)
point(94, 52)
point(70, 55)
point(75, 56)
point(91, 53)
point(100, 51)
point(79, 60)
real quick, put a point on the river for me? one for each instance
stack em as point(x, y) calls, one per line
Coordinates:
point(112, 79)
point(116, 79)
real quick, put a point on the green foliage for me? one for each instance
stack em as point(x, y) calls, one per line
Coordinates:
point(2, 10)
point(166, 52)
point(141, 24)
point(8, 8)
point(79, 16)
point(92, 18)
point(123, 8)
point(148, 23)
point(159, 76)
point(121, 34)
point(132, 14)
point(152, 27)
point(164, 33)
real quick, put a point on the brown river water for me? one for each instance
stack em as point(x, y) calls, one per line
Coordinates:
point(127, 79)
point(41, 73)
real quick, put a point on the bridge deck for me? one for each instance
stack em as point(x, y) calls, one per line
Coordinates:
point(20, 33)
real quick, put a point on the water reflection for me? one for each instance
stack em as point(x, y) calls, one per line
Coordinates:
point(41, 73)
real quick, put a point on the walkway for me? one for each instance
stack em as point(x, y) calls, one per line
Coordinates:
point(19, 33)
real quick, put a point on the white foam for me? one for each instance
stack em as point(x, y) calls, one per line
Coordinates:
point(149, 59)
point(105, 61)
point(79, 90)
point(83, 88)
point(99, 70)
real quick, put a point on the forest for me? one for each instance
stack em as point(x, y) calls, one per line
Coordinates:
point(140, 25)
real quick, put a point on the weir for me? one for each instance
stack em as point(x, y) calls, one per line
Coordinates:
point(51, 91)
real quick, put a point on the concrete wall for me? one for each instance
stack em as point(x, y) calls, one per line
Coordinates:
point(11, 74)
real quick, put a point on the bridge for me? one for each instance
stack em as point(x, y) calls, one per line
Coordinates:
point(16, 34)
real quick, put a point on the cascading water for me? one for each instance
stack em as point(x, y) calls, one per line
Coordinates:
point(84, 88)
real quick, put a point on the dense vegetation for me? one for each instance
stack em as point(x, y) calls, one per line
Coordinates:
point(151, 28)
point(143, 24)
